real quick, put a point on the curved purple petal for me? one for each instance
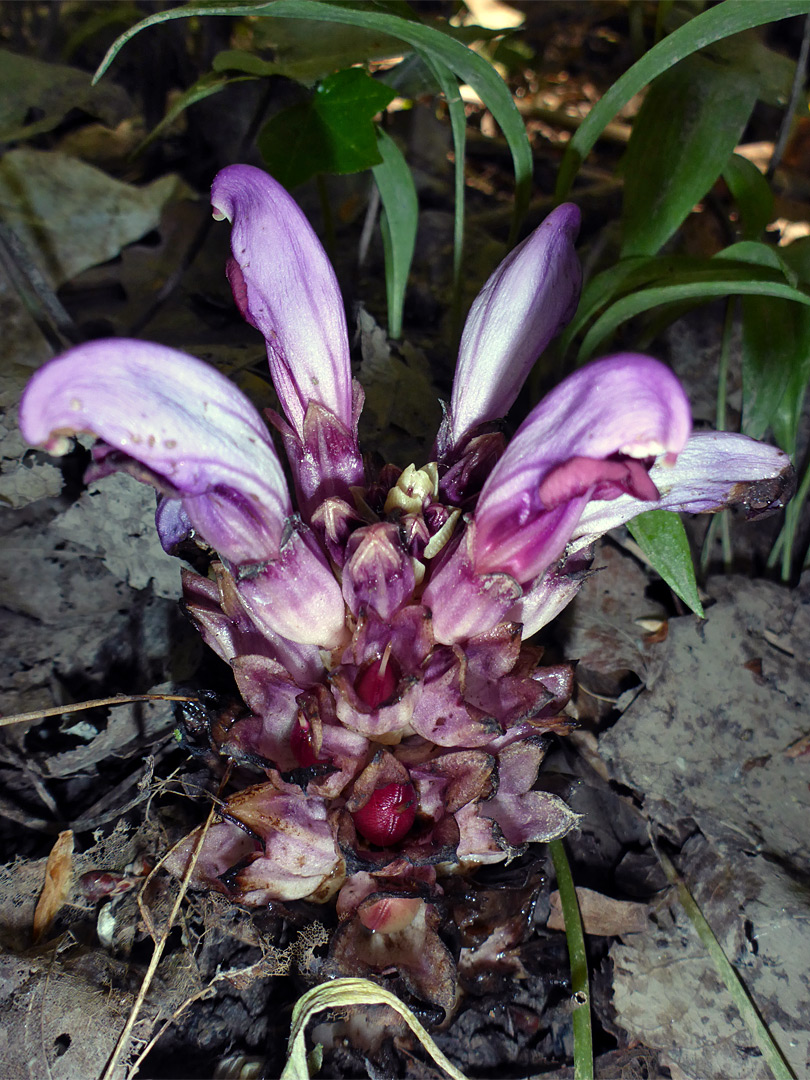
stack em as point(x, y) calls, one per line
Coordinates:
point(285, 286)
point(714, 470)
point(593, 437)
point(172, 421)
point(554, 589)
point(529, 298)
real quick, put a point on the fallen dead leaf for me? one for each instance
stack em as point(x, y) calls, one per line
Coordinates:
point(601, 915)
point(58, 873)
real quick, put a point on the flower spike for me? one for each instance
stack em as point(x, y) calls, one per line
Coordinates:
point(392, 710)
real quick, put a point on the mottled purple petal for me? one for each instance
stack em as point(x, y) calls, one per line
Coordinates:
point(275, 844)
point(442, 716)
point(296, 595)
point(215, 609)
point(179, 424)
point(592, 437)
point(378, 573)
point(535, 816)
point(529, 298)
point(375, 940)
point(465, 603)
point(285, 286)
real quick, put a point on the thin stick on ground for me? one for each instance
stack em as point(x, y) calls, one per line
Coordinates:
point(160, 944)
point(96, 703)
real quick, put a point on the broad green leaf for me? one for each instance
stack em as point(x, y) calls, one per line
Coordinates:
point(661, 536)
point(205, 87)
point(751, 192)
point(399, 219)
point(685, 132)
point(718, 22)
point(307, 51)
point(411, 78)
point(771, 72)
point(638, 302)
point(775, 367)
point(333, 132)
point(426, 40)
point(242, 60)
point(797, 256)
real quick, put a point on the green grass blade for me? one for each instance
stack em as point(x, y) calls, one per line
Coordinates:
point(639, 302)
point(776, 1060)
point(458, 125)
point(400, 213)
point(717, 23)
point(580, 988)
point(429, 42)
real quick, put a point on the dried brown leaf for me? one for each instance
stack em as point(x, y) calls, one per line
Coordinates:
point(601, 915)
point(58, 874)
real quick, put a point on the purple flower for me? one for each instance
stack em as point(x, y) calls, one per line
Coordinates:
point(284, 285)
point(531, 296)
point(392, 709)
point(195, 437)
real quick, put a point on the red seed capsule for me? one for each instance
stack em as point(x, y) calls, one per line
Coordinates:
point(387, 815)
point(377, 684)
point(302, 742)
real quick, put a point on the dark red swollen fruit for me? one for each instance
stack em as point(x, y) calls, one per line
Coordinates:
point(378, 683)
point(388, 814)
point(301, 742)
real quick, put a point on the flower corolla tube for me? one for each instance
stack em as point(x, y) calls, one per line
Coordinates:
point(376, 623)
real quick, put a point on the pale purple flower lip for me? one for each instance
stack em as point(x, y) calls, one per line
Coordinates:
point(714, 470)
point(285, 286)
point(594, 436)
point(175, 422)
point(189, 429)
point(529, 298)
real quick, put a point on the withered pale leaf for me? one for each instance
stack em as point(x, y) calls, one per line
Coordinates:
point(58, 873)
point(601, 915)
